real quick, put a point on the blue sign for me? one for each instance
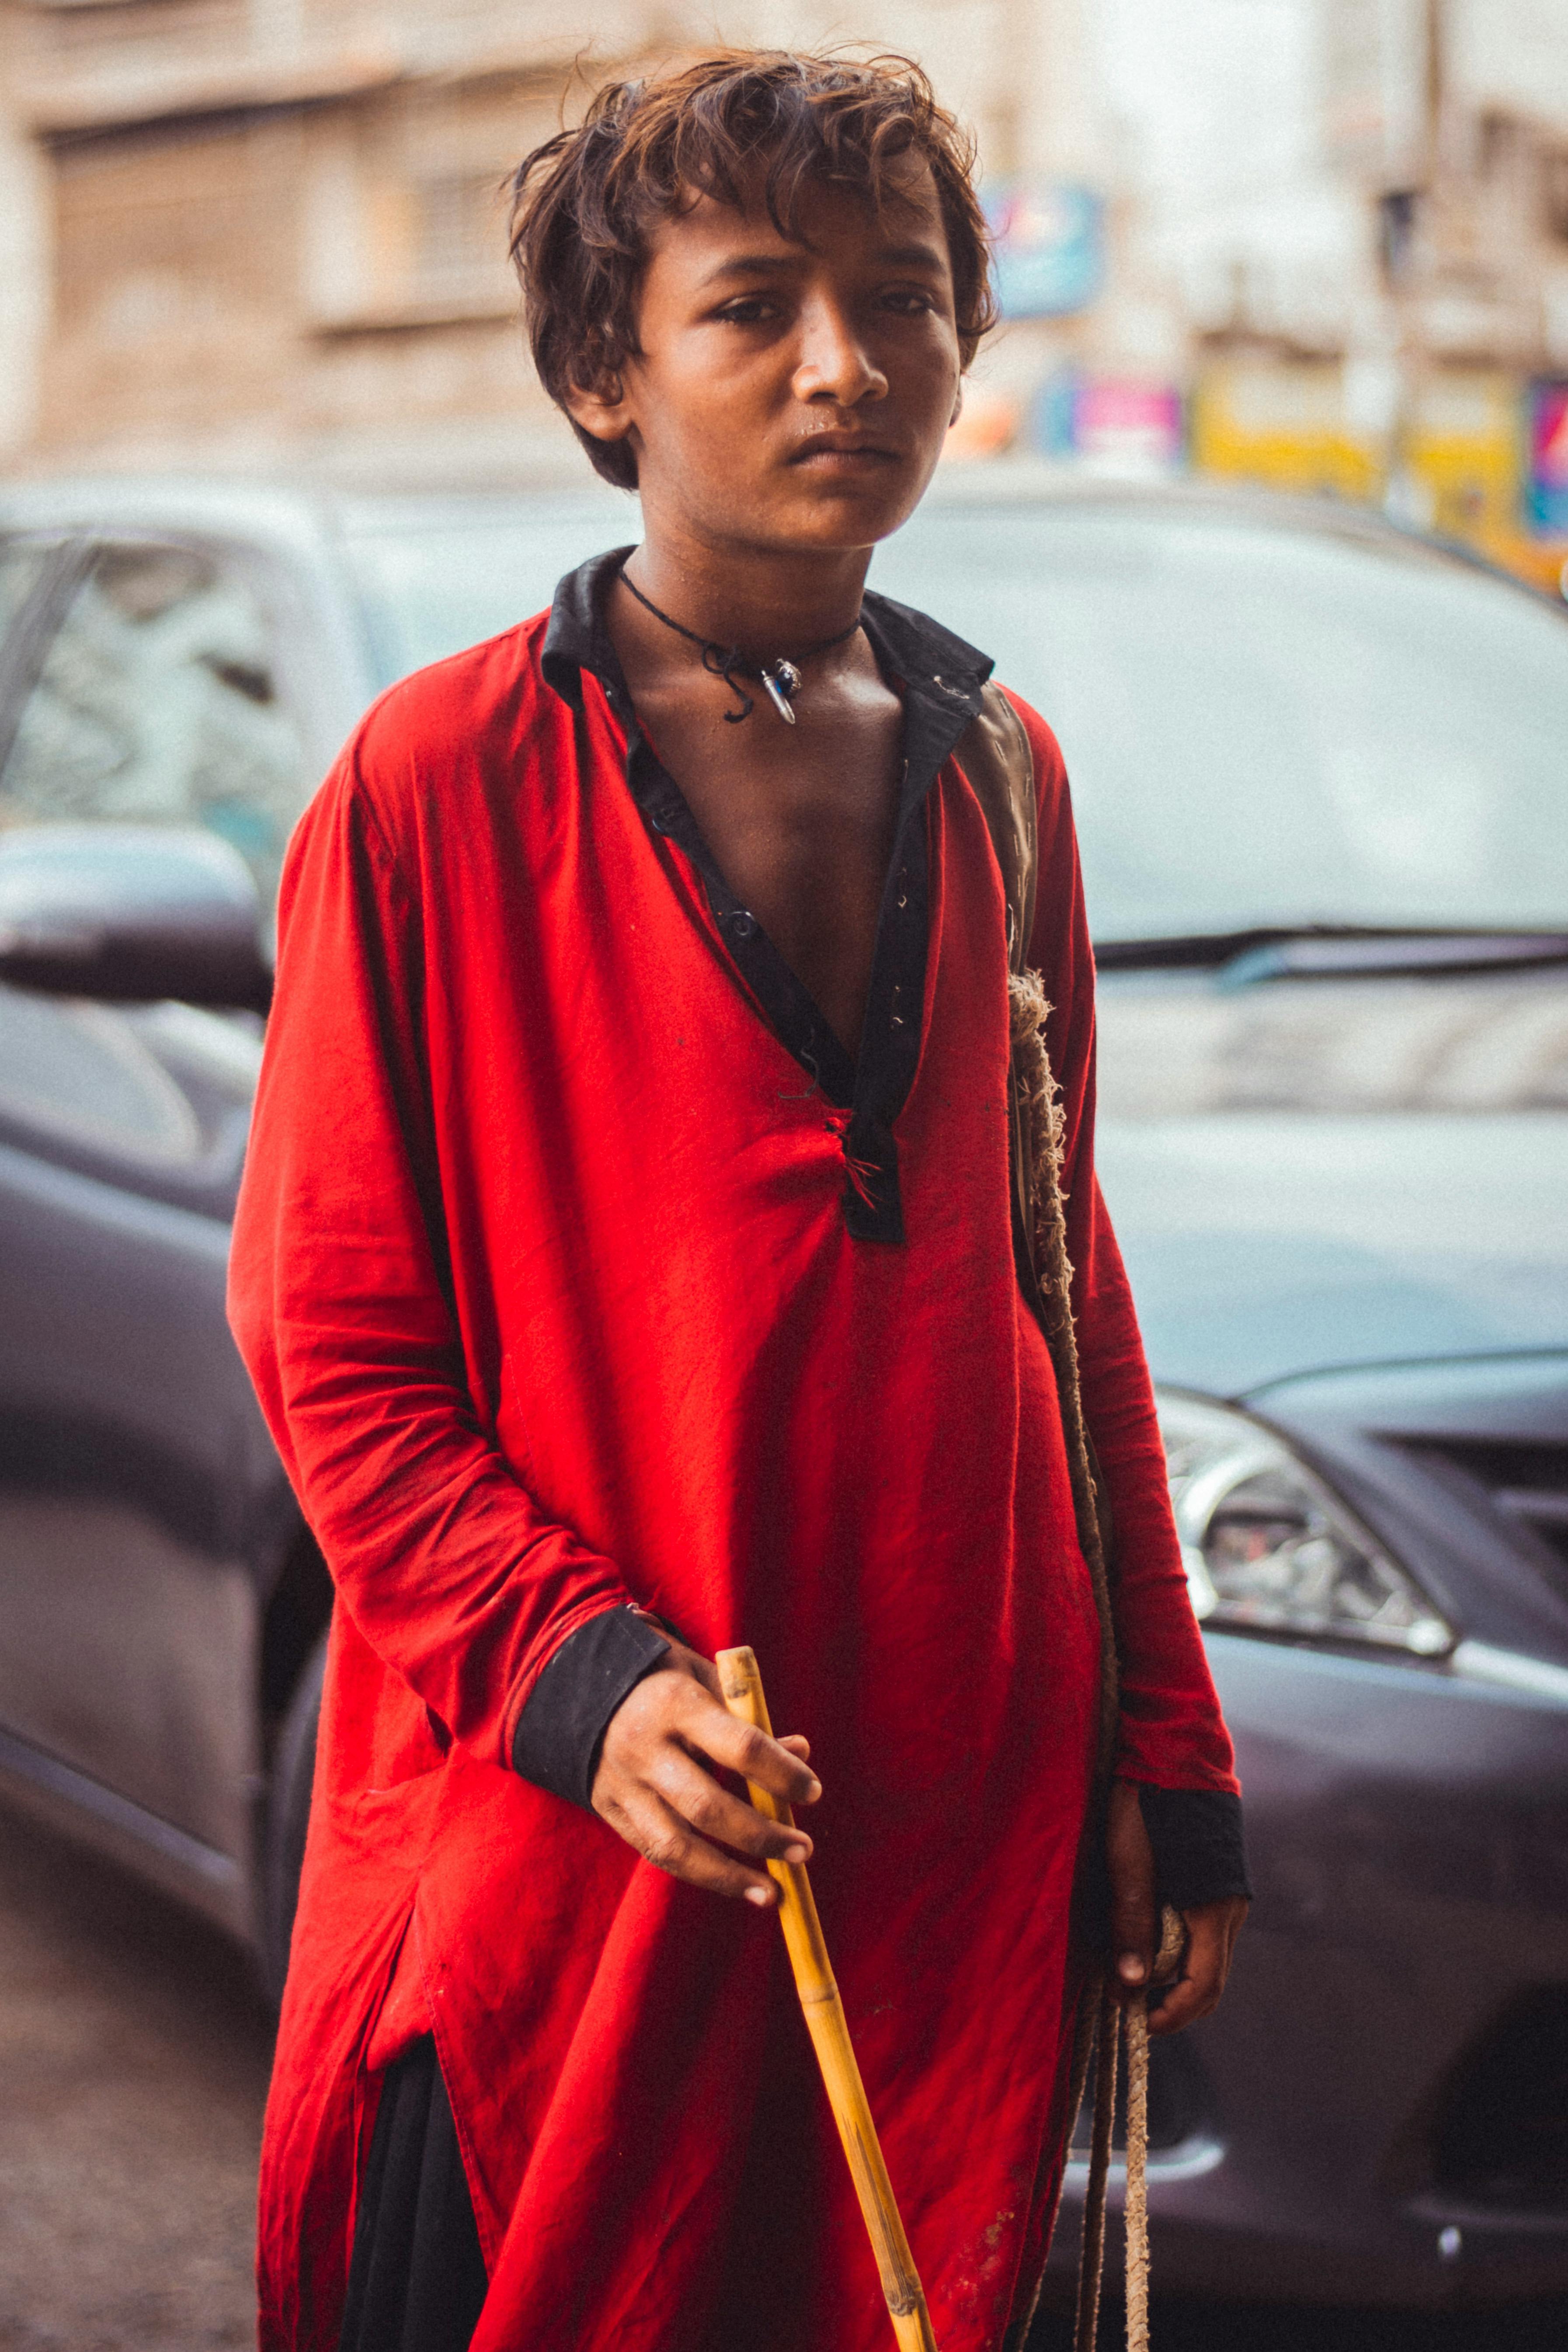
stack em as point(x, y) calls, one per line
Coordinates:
point(1048, 248)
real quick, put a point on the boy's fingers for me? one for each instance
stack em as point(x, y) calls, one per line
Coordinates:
point(1212, 1930)
point(657, 1781)
point(711, 1810)
point(1130, 1864)
point(1183, 2004)
point(739, 1747)
point(1133, 1941)
point(661, 1837)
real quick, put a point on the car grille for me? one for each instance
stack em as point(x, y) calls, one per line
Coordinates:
point(1527, 1483)
point(1502, 2131)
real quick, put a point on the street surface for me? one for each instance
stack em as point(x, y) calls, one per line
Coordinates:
point(133, 2056)
point(1211, 2327)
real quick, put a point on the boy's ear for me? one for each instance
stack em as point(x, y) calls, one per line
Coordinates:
point(957, 405)
point(601, 409)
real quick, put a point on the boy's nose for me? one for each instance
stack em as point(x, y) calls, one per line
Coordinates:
point(834, 364)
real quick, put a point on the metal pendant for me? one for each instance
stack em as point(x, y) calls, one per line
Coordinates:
point(780, 680)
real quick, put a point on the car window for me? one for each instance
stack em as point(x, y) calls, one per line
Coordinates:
point(22, 563)
point(1268, 725)
point(433, 588)
point(159, 700)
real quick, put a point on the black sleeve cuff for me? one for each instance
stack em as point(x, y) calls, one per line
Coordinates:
point(562, 1727)
point(1200, 1855)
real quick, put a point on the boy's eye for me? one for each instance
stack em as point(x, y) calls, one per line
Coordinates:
point(748, 311)
point(908, 300)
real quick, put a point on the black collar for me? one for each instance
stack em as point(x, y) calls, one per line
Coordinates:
point(916, 649)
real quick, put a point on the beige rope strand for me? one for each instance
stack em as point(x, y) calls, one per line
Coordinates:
point(1044, 1125)
point(1136, 2207)
point(1167, 1966)
point(1091, 2256)
point(1041, 1120)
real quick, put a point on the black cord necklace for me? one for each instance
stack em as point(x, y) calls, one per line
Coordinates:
point(779, 680)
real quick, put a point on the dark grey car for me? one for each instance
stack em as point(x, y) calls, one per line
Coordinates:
point(1321, 778)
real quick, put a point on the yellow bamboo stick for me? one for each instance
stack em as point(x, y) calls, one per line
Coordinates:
point(742, 1687)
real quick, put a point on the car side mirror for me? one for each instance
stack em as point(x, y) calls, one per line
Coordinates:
point(130, 912)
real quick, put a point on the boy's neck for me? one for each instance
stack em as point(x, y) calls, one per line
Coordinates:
point(768, 600)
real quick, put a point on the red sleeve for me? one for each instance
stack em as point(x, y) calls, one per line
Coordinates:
point(337, 1301)
point(1173, 1733)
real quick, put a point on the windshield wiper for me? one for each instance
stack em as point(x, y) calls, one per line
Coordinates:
point(1334, 951)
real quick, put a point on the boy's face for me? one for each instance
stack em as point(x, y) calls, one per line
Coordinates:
point(791, 395)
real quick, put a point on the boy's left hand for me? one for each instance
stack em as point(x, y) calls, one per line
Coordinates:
point(1212, 1927)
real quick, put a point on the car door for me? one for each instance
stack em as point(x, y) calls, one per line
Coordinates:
point(138, 1491)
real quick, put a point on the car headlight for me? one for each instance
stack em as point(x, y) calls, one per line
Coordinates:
point(1269, 1547)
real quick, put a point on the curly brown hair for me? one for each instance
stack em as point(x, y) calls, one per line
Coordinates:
point(584, 203)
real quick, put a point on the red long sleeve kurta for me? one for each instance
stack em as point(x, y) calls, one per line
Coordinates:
point(544, 1272)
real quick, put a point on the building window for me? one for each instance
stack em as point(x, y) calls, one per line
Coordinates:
point(460, 246)
point(1555, 176)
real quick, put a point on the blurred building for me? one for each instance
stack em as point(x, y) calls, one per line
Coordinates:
point(1322, 243)
point(1342, 235)
point(272, 231)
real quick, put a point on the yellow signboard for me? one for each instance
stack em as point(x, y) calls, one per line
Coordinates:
point(1465, 448)
point(1299, 425)
point(1282, 423)
point(1292, 424)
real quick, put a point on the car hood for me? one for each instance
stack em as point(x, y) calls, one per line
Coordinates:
point(1310, 1176)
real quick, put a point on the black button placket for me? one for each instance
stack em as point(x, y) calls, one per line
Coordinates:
point(941, 678)
point(937, 710)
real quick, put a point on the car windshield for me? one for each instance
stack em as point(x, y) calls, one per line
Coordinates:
point(1265, 726)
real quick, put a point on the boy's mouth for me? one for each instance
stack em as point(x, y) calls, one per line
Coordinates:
point(852, 450)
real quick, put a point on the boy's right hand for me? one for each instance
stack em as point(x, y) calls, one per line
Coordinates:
point(656, 1784)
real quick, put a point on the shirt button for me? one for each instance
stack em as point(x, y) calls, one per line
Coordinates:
point(742, 924)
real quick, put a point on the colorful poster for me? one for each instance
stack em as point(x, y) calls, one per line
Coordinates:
point(1048, 248)
point(1546, 490)
point(1115, 424)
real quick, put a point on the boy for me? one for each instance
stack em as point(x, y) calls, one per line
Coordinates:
point(627, 1268)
